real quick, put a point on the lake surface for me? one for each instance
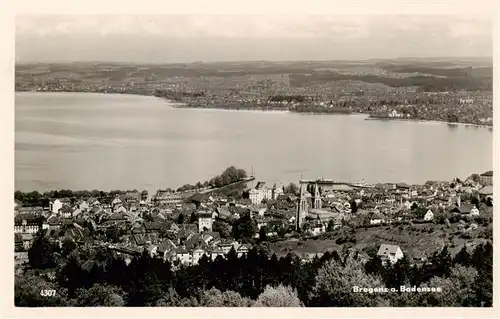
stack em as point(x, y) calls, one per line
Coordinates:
point(97, 141)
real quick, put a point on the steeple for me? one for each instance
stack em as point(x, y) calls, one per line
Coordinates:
point(302, 207)
point(317, 198)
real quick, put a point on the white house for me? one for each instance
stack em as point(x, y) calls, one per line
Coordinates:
point(474, 211)
point(197, 255)
point(277, 192)
point(56, 205)
point(84, 206)
point(183, 256)
point(429, 215)
point(261, 192)
point(376, 219)
point(255, 196)
point(116, 201)
point(390, 253)
point(205, 221)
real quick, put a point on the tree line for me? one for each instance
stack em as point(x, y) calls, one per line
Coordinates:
point(93, 276)
point(35, 198)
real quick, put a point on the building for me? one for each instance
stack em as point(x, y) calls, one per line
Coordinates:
point(27, 223)
point(198, 253)
point(317, 204)
point(261, 192)
point(429, 215)
point(468, 209)
point(57, 204)
point(390, 253)
point(277, 191)
point(486, 178)
point(205, 221)
point(254, 196)
point(303, 207)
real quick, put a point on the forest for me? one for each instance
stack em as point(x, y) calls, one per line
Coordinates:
point(92, 276)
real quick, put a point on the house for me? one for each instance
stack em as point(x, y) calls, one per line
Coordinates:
point(120, 210)
point(277, 191)
point(216, 252)
point(376, 219)
point(116, 201)
point(183, 256)
point(317, 228)
point(486, 190)
point(205, 221)
point(198, 253)
point(261, 222)
point(429, 215)
point(57, 204)
point(132, 197)
point(390, 253)
point(260, 192)
point(66, 211)
point(27, 223)
point(486, 178)
point(27, 240)
point(226, 245)
point(153, 227)
point(54, 222)
point(196, 199)
point(83, 205)
point(467, 209)
point(164, 247)
point(223, 213)
point(254, 196)
point(243, 250)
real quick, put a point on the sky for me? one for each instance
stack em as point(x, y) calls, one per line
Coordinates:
point(271, 37)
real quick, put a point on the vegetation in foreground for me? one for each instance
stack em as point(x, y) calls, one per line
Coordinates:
point(88, 276)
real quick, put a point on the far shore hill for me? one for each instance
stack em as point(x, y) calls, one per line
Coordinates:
point(452, 91)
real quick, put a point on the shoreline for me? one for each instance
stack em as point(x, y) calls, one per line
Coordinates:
point(428, 121)
point(183, 105)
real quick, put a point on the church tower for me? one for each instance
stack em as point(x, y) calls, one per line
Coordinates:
point(302, 207)
point(316, 198)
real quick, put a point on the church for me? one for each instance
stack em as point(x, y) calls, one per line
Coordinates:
point(310, 209)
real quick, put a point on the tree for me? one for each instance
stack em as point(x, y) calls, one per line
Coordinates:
point(41, 253)
point(483, 286)
point(193, 218)
point(262, 234)
point(457, 290)
point(442, 262)
point(374, 266)
point(281, 296)
point(180, 219)
point(291, 189)
point(28, 292)
point(223, 228)
point(330, 226)
point(215, 298)
point(244, 228)
point(336, 282)
point(354, 207)
point(462, 257)
point(100, 296)
point(68, 246)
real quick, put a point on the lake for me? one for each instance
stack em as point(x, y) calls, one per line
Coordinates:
point(97, 141)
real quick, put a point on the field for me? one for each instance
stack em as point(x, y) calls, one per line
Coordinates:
point(413, 240)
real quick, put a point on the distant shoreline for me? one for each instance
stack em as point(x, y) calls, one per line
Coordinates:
point(428, 121)
point(183, 105)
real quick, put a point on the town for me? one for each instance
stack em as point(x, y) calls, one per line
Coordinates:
point(223, 219)
point(391, 90)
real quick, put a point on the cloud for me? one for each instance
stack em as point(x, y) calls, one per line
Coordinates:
point(253, 26)
point(164, 38)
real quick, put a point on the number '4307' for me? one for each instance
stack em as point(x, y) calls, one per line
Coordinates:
point(47, 293)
